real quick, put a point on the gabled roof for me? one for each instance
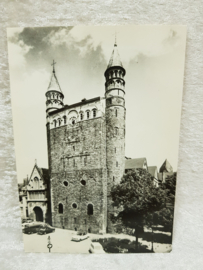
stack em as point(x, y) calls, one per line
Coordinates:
point(152, 170)
point(166, 167)
point(135, 163)
point(54, 84)
point(115, 58)
point(44, 173)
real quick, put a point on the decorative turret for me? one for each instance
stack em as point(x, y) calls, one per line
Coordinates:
point(115, 126)
point(115, 84)
point(54, 93)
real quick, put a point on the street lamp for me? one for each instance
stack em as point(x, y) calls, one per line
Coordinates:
point(49, 246)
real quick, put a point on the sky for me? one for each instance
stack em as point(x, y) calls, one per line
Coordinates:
point(153, 57)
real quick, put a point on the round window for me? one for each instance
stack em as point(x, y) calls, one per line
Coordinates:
point(65, 183)
point(83, 182)
point(74, 205)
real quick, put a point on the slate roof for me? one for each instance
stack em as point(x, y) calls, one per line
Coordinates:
point(166, 167)
point(54, 84)
point(115, 58)
point(135, 163)
point(45, 174)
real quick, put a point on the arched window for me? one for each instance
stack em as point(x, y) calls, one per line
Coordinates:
point(90, 209)
point(94, 112)
point(81, 116)
point(73, 121)
point(116, 112)
point(88, 114)
point(60, 208)
point(116, 163)
point(73, 162)
point(64, 119)
point(36, 183)
point(59, 120)
point(113, 179)
point(54, 123)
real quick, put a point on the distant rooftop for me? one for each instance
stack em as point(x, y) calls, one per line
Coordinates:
point(135, 163)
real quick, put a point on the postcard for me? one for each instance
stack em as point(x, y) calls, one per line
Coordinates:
point(96, 116)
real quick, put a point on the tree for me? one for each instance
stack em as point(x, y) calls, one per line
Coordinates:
point(165, 215)
point(170, 187)
point(134, 197)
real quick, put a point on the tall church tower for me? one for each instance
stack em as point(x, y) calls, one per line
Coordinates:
point(115, 125)
point(54, 101)
point(54, 95)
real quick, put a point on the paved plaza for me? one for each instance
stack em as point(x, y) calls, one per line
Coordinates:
point(61, 241)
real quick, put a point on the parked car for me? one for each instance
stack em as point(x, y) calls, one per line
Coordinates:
point(96, 247)
point(30, 228)
point(45, 228)
point(27, 220)
point(80, 236)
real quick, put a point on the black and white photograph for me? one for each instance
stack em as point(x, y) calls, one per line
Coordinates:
point(96, 117)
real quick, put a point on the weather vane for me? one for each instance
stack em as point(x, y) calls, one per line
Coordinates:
point(53, 66)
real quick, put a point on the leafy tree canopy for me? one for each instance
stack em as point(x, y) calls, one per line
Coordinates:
point(135, 196)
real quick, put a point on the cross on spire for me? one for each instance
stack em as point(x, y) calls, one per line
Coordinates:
point(115, 44)
point(53, 66)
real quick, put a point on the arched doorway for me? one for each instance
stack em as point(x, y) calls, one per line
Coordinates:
point(38, 213)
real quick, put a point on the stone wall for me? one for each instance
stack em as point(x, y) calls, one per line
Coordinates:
point(115, 148)
point(78, 152)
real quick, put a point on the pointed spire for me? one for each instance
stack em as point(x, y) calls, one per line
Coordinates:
point(54, 84)
point(115, 57)
point(166, 167)
point(115, 44)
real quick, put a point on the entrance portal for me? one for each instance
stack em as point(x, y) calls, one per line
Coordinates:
point(38, 213)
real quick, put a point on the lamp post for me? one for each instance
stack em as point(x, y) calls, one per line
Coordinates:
point(49, 246)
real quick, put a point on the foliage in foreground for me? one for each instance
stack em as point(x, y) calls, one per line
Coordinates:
point(114, 245)
point(140, 203)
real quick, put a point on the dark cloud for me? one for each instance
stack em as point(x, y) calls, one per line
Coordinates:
point(41, 51)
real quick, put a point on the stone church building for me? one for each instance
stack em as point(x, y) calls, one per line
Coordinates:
point(86, 151)
point(86, 157)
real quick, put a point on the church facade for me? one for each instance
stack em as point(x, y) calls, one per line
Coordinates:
point(86, 152)
point(86, 157)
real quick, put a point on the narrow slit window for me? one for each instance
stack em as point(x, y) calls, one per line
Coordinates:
point(90, 209)
point(60, 208)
